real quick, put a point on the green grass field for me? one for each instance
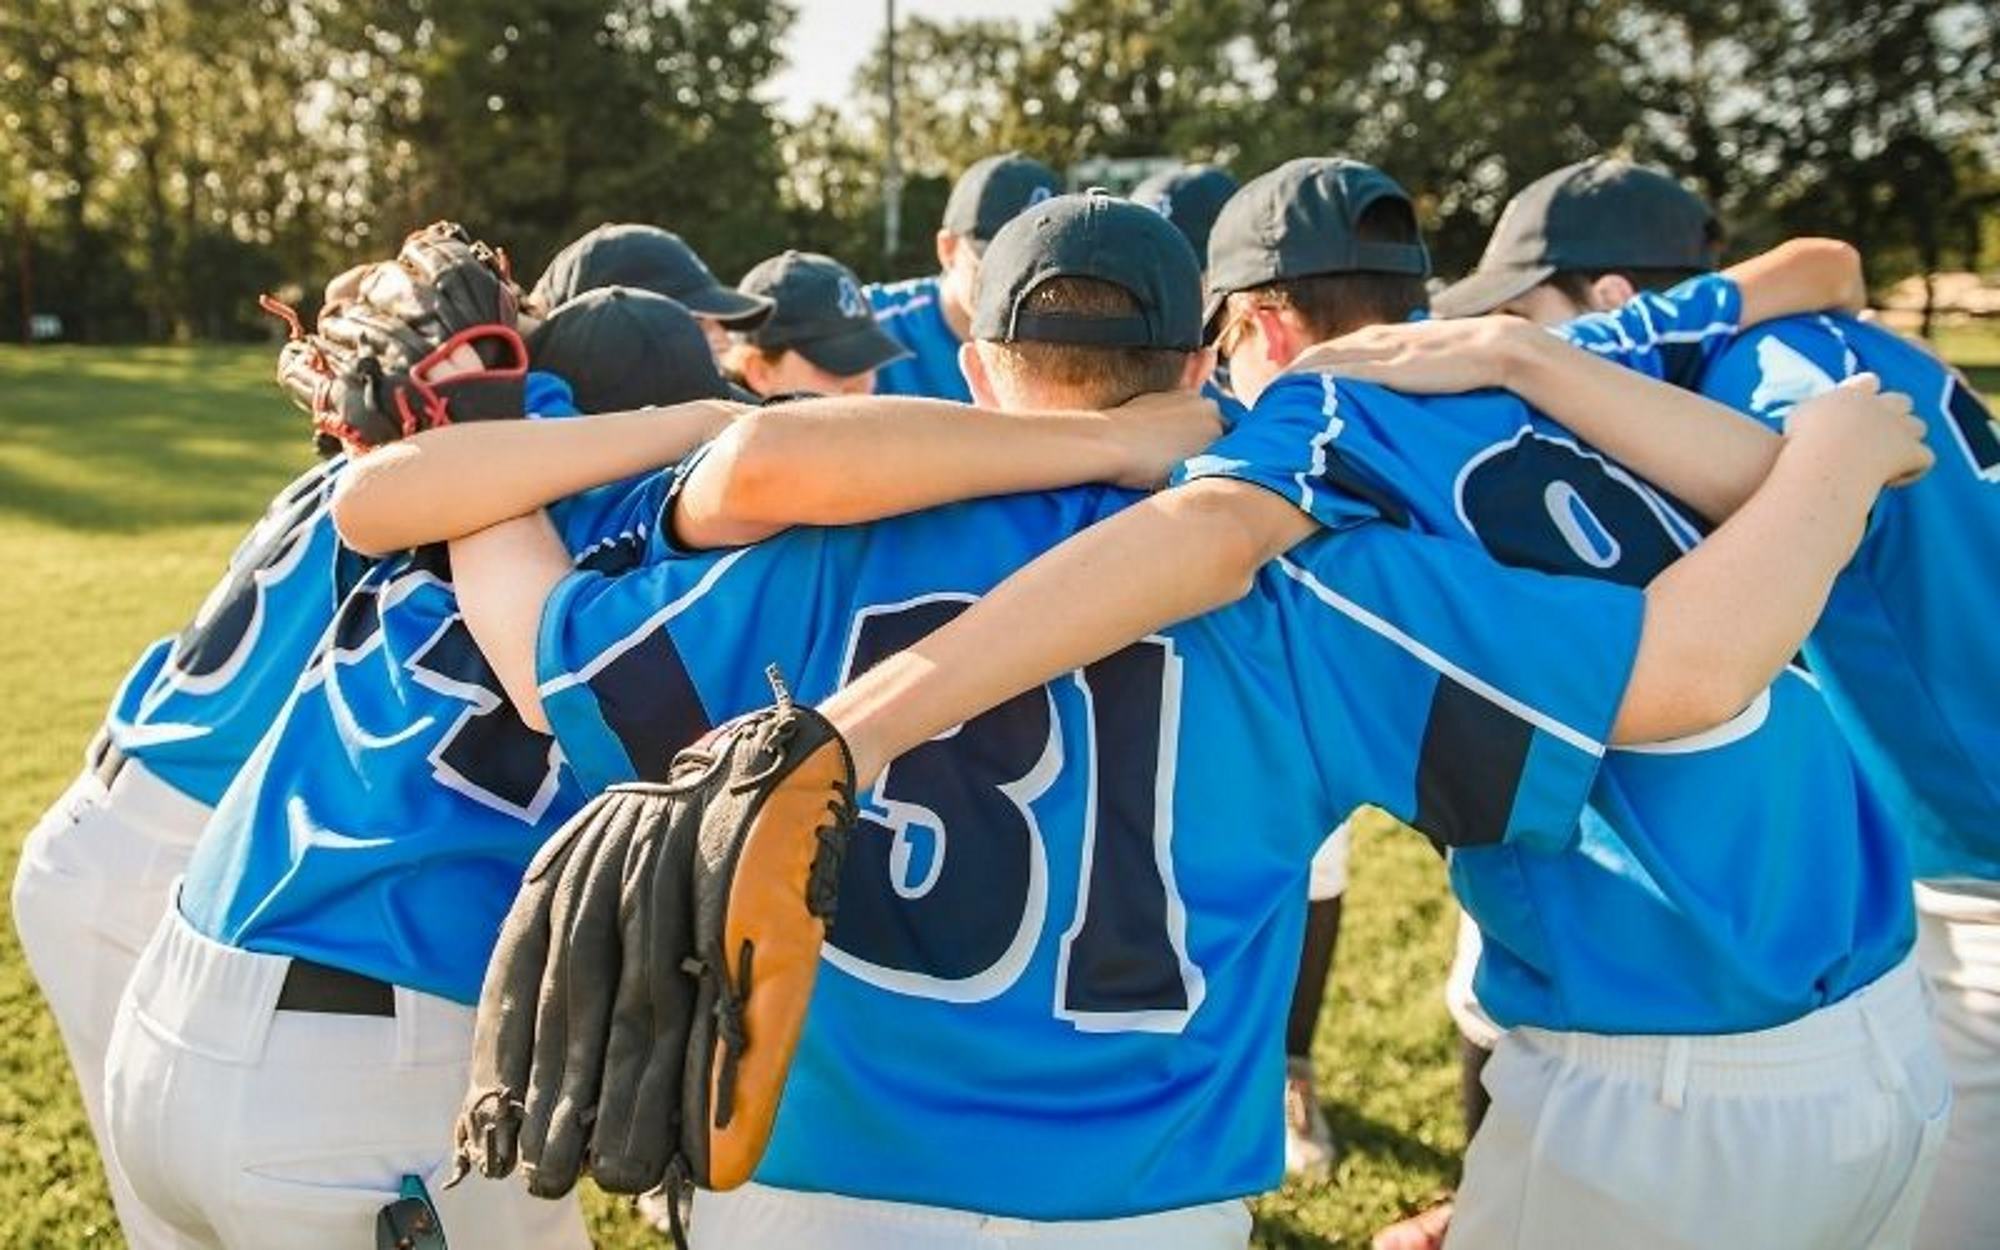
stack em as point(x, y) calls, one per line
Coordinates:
point(125, 479)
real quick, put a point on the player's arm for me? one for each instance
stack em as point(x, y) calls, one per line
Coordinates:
point(446, 483)
point(844, 461)
point(1799, 276)
point(1718, 626)
point(1699, 450)
point(503, 576)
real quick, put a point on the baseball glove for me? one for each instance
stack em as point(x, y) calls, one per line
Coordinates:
point(650, 982)
point(419, 341)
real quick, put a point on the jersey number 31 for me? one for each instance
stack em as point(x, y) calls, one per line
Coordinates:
point(946, 887)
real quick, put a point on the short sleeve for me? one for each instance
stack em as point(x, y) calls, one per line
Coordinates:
point(632, 666)
point(600, 524)
point(1285, 444)
point(1471, 700)
point(1773, 368)
point(1672, 335)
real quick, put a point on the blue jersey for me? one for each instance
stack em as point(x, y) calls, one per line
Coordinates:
point(194, 706)
point(912, 313)
point(1683, 908)
point(1068, 930)
point(382, 823)
point(1913, 690)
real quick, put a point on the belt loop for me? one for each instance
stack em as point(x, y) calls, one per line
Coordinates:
point(1888, 1065)
point(1674, 1073)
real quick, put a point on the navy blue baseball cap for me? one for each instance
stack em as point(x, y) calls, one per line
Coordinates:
point(819, 313)
point(621, 348)
point(1190, 197)
point(1298, 221)
point(1595, 216)
point(1092, 235)
point(993, 191)
point(650, 259)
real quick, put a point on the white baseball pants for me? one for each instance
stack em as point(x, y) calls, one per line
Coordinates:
point(242, 1126)
point(94, 878)
point(757, 1215)
point(1822, 1134)
point(1958, 948)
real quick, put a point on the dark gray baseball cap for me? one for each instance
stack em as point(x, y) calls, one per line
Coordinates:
point(993, 191)
point(621, 348)
point(1190, 197)
point(1595, 216)
point(651, 259)
point(1298, 221)
point(1092, 235)
point(820, 313)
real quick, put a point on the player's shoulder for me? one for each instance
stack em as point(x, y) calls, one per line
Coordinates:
point(895, 299)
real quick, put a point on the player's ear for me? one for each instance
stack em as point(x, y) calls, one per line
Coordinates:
point(947, 249)
point(756, 371)
point(1611, 291)
point(1283, 338)
point(1199, 368)
point(973, 366)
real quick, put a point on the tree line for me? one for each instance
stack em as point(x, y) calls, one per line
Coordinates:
point(162, 161)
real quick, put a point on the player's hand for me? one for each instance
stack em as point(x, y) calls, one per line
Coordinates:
point(1159, 430)
point(1424, 357)
point(1866, 428)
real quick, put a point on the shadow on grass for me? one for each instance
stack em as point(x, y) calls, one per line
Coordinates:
point(109, 441)
point(1359, 1134)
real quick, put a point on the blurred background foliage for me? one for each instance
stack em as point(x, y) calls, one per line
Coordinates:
point(162, 161)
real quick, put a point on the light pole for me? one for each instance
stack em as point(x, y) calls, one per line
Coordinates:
point(892, 169)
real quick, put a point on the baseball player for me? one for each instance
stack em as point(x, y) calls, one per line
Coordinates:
point(96, 874)
point(1911, 702)
point(648, 258)
point(1669, 965)
point(96, 871)
point(1595, 235)
point(930, 316)
point(820, 338)
point(300, 1014)
point(1067, 928)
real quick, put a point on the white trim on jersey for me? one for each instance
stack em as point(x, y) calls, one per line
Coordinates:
point(1431, 659)
point(610, 655)
point(1329, 406)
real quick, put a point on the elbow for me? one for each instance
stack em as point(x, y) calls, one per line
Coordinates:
point(1222, 546)
point(750, 484)
point(1840, 261)
point(357, 515)
point(1700, 694)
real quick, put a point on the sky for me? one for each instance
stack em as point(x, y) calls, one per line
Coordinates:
point(832, 37)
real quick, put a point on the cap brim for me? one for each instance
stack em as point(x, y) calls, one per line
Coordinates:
point(852, 351)
point(1483, 290)
point(733, 308)
point(1211, 317)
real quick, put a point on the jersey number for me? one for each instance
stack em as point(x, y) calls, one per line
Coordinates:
point(489, 754)
point(1541, 503)
point(952, 835)
point(212, 647)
